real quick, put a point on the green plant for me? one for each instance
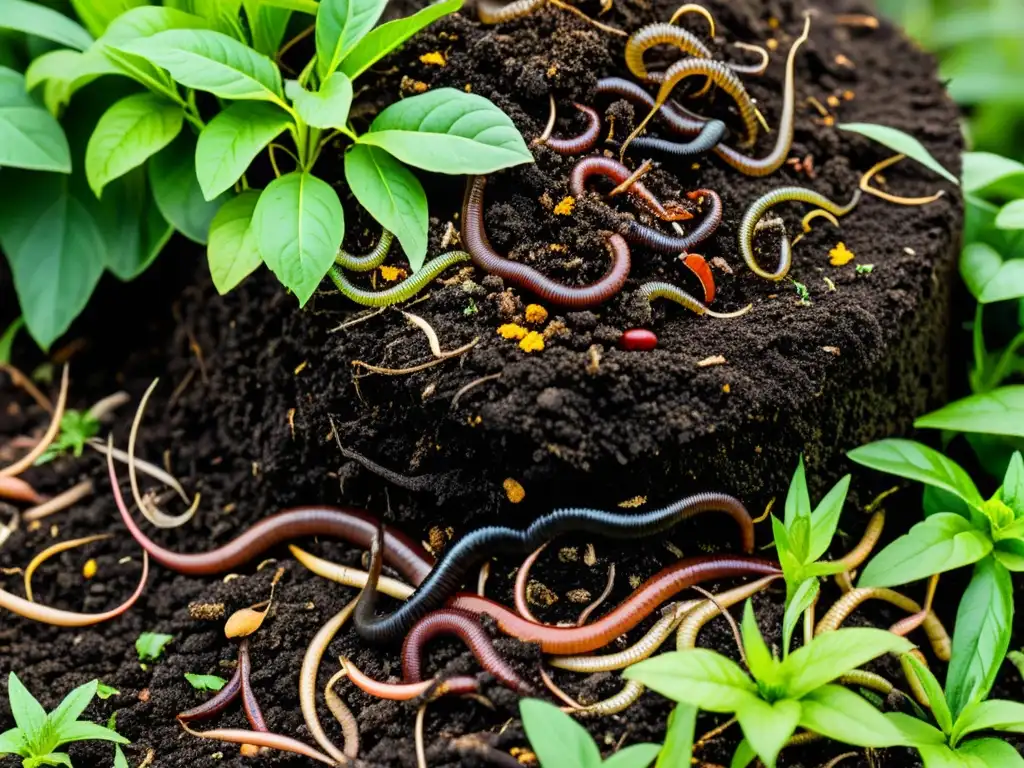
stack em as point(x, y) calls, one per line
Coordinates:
point(76, 429)
point(37, 735)
point(205, 682)
point(778, 696)
point(944, 746)
point(150, 645)
point(100, 182)
point(561, 742)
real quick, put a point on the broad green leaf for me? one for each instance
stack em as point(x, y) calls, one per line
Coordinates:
point(798, 499)
point(940, 543)
point(53, 245)
point(743, 756)
point(991, 715)
point(172, 174)
point(993, 752)
point(299, 226)
point(7, 338)
point(914, 461)
point(150, 645)
point(767, 727)
point(557, 739)
point(86, 731)
point(989, 278)
point(64, 71)
point(12, 742)
point(133, 229)
point(825, 519)
point(51, 758)
point(983, 625)
point(998, 412)
point(698, 677)
point(326, 108)
point(30, 137)
point(1013, 484)
point(230, 142)
point(833, 654)
point(205, 682)
point(842, 715)
point(211, 61)
point(222, 15)
point(129, 133)
point(449, 131)
point(1010, 553)
point(792, 568)
point(803, 597)
point(37, 19)
point(900, 142)
point(916, 732)
point(392, 195)
point(760, 662)
point(302, 6)
point(992, 176)
point(29, 715)
point(381, 41)
point(935, 500)
point(97, 14)
point(933, 690)
point(1011, 216)
point(232, 251)
point(267, 25)
point(678, 747)
point(936, 756)
point(73, 705)
point(340, 25)
point(633, 756)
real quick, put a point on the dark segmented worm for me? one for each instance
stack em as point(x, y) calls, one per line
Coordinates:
point(253, 713)
point(218, 703)
point(612, 169)
point(638, 233)
point(708, 139)
point(681, 121)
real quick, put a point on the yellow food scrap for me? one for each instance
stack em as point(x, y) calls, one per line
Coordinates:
point(434, 57)
point(552, 71)
point(726, 388)
point(514, 490)
point(565, 207)
point(392, 273)
point(532, 342)
point(633, 503)
point(535, 313)
point(301, 367)
point(512, 331)
point(557, 248)
point(840, 255)
point(771, 44)
point(89, 569)
point(832, 101)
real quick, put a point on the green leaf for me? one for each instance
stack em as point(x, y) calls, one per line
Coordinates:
point(13, 742)
point(1011, 216)
point(825, 519)
point(120, 761)
point(267, 25)
point(792, 568)
point(449, 131)
point(326, 108)
point(991, 176)
point(73, 705)
point(842, 715)
point(205, 682)
point(211, 61)
point(743, 756)
point(557, 739)
point(983, 625)
point(222, 15)
point(798, 500)
point(299, 225)
point(51, 758)
point(29, 715)
point(803, 597)
point(85, 731)
point(760, 662)
point(381, 41)
point(901, 142)
point(833, 654)
point(989, 278)
point(392, 195)
point(64, 71)
point(933, 690)
point(172, 174)
point(678, 747)
point(633, 756)
point(129, 133)
point(916, 732)
point(940, 543)
point(37, 19)
point(149, 645)
point(992, 753)
point(1013, 484)
point(943, 757)
point(97, 14)
point(132, 227)
point(767, 727)
point(302, 6)
point(998, 412)
point(232, 251)
point(7, 339)
point(991, 715)
point(231, 141)
point(106, 691)
point(30, 137)
point(698, 677)
point(340, 25)
point(915, 461)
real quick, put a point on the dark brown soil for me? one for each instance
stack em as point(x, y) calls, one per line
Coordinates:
point(255, 381)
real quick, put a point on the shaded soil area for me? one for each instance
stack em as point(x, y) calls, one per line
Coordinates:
point(251, 385)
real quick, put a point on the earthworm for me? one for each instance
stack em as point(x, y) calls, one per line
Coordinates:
point(307, 680)
point(368, 261)
point(872, 533)
point(763, 204)
point(482, 543)
point(218, 703)
point(56, 549)
point(661, 586)
point(261, 739)
point(467, 628)
point(616, 703)
point(642, 649)
point(406, 289)
point(474, 236)
point(353, 526)
point(638, 233)
point(681, 121)
point(657, 289)
point(522, 579)
point(585, 141)
point(661, 33)
point(619, 173)
point(711, 134)
point(695, 620)
point(59, 503)
point(339, 709)
point(773, 160)
point(407, 691)
point(350, 577)
point(16, 489)
point(870, 680)
point(48, 437)
point(586, 612)
point(494, 13)
point(252, 707)
point(699, 266)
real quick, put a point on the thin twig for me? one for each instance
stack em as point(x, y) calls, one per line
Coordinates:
point(421, 754)
point(428, 329)
point(865, 185)
point(422, 366)
point(357, 320)
point(634, 177)
point(20, 380)
point(294, 41)
point(60, 502)
point(48, 437)
point(419, 483)
point(473, 385)
point(582, 15)
point(109, 404)
point(714, 732)
point(728, 617)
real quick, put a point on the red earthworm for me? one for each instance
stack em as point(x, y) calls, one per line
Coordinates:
point(407, 691)
point(216, 704)
point(466, 626)
point(474, 237)
point(619, 173)
point(660, 587)
point(353, 526)
point(709, 138)
point(696, 264)
point(253, 713)
point(260, 739)
point(16, 489)
point(522, 579)
point(641, 234)
point(577, 145)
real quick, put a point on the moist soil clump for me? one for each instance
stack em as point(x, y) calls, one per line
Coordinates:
point(258, 397)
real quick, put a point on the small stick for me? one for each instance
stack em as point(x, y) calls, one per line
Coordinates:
point(48, 437)
point(358, 320)
point(714, 732)
point(728, 617)
point(22, 381)
point(428, 329)
point(551, 122)
point(60, 502)
point(147, 468)
point(419, 483)
point(109, 404)
point(56, 549)
point(634, 177)
point(582, 15)
point(422, 366)
point(473, 385)
point(857, 20)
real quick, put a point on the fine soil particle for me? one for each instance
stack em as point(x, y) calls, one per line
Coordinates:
point(257, 395)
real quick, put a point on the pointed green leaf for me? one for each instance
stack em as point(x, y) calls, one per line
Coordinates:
point(299, 226)
point(325, 108)
point(449, 131)
point(998, 412)
point(767, 727)
point(230, 142)
point(37, 19)
point(825, 519)
point(798, 499)
point(743, 756)
point(340, 25)
point(914, 461)
point(760, 662)
point(150, 645)
point(916, 732)
point(842, 715)
point(51, 758)
point(302, 6)
point(943, 757)
point(833, 654)
point(120, 761)
point(698, 677)
point(991, 715)
point(106, 691)
point(267, 25)
point(64, 71)
point(992, 176)
point(7, 339)
point(1013, 484)
point(993, 753)
point(29, 715)
point(232, 251)
point(1011, 216)
point(205, 682)
point(392, 195)
point(172, 174)
point(30, 137)
point(557, 739)
point(85, 731)
point(633, 756)
point(989, 277)
point(901, 142)
point(13, 742)
point(73, 705)
point(678, 747)
point(933, 690)
point(803, 597)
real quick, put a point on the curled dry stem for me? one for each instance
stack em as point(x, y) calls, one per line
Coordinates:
point(48, 437)
point(416, 368)
point(588, 19)
point(473, 385)
point(60, 502)
point(145, 467)
point(103, 408)
point(56, 549)
point(585, 613)
point(865, 185)
point(22, 381)
point(728, 617)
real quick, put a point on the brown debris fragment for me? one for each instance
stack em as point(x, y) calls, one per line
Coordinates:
point(713, 360)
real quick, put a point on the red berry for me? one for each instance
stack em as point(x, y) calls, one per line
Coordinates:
point(638, 339)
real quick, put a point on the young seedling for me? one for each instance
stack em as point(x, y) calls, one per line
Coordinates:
point(76, 429)
point(778, 696)
point(150, 645)
point(205, 682)
point(38, 735)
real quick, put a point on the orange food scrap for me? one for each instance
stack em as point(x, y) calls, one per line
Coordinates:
point(434, 57)
point(843, 61)
point(512, 331)
point(832, 101)
point(848, 95)
point(840, 255)
point(532, 342)
point(392, 273)
point(726, 388)
point(89, 569)
point(565, 207)
point(557, 248)
point(514, 490)
point(535, 313)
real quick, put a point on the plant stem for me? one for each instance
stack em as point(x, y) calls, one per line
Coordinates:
point(1000, 372)
point(979, 350)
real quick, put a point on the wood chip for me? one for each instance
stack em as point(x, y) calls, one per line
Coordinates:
point(709, 361)
point(832, 350)
point(590, 555)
